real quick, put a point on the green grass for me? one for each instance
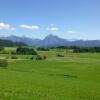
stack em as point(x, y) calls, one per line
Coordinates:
point(74, 77)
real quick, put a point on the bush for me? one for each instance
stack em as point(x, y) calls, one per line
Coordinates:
point(14, 57)
point(31, 58)
point(3, 63)
point(7, 58)
point(26, 58)
point(44, 57)
point(13, 52)
point(38, 57)
point(60, 55)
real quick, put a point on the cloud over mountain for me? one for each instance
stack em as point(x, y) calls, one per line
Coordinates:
point(5, 26)
point(30, 27)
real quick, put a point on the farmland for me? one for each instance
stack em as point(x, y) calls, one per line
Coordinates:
point(76, 76)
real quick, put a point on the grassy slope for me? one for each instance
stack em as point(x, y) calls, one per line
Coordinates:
point(75, 77)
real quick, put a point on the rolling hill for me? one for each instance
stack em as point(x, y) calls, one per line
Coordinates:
point(9, 43)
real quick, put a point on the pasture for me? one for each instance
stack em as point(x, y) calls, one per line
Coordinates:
point(76, 76)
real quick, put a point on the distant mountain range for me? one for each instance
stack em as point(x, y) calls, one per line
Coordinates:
point(53, 41)
point(9, 43)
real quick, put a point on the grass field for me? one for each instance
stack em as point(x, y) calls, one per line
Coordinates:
point(73, 77)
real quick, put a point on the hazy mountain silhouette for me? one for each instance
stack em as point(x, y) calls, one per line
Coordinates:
point(52, 40)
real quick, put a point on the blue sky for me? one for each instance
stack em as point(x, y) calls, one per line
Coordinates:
point(70, 19)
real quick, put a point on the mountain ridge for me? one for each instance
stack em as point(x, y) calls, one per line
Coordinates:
point(53, 41)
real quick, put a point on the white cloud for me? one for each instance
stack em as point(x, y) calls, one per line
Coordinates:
point(31, 27)
point(13, 29)
point(70, 32)
point(53, 29)
point(5, 26)
point(52, 25)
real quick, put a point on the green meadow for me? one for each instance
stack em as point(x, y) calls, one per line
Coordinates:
point(76, 76)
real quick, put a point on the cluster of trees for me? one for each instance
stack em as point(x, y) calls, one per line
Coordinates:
point(26, 51)
point(86, 49)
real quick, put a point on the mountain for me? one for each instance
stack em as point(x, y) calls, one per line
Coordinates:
point(53, 41)
point(25, 40)
point(8, 43)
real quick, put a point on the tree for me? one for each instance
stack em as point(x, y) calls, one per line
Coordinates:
point(44, 57)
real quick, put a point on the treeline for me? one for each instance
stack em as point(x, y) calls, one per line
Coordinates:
point(64, 47)
point(77, 49)
point(86, 49)
point(8, 43)
point(42, 49)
